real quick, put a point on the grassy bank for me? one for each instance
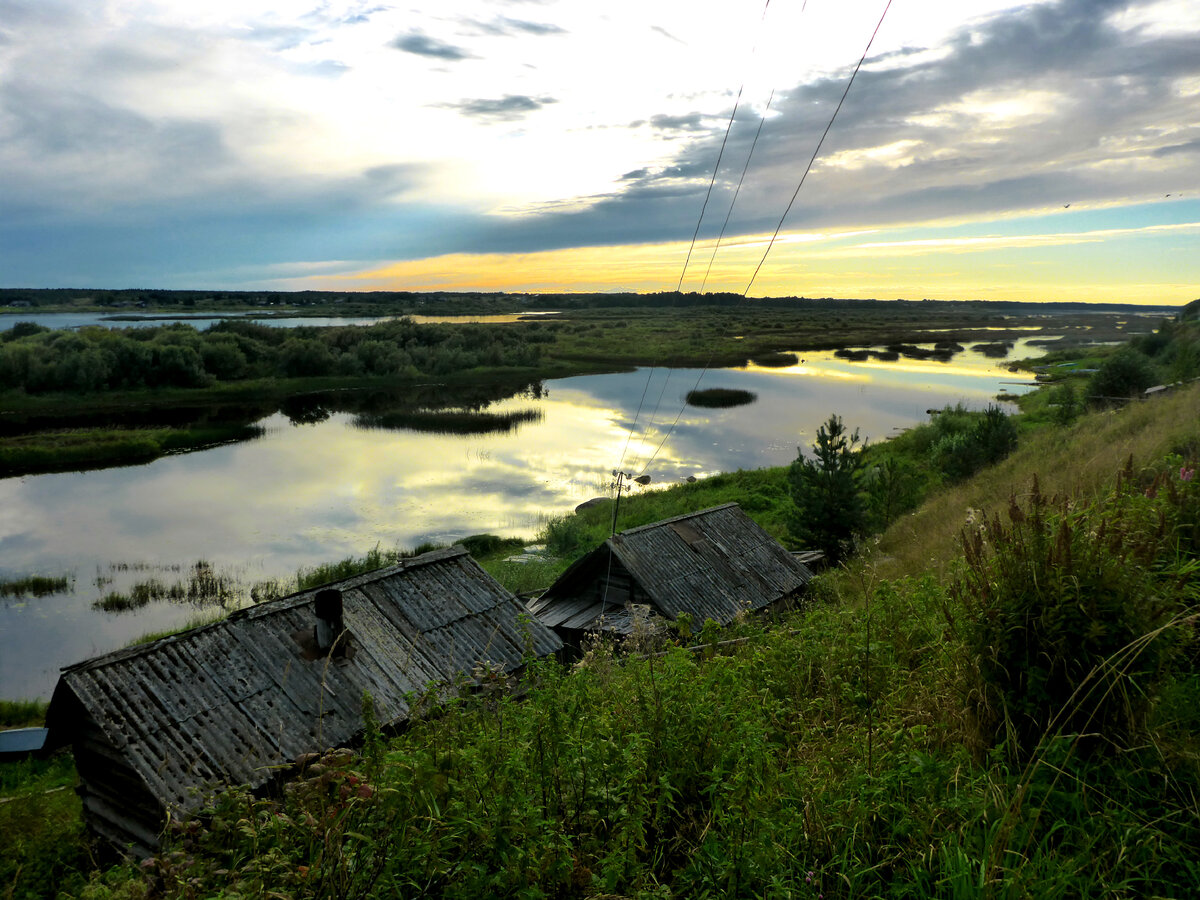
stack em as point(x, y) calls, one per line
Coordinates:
point(72, 450)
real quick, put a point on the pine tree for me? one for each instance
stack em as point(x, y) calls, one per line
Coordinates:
point(829, 506)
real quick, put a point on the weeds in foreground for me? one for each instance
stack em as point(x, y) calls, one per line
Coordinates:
point(1060, 603)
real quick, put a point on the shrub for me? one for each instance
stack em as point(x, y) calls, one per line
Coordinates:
point(1122, 376)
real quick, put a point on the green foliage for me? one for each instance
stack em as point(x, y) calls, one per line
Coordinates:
point(1065, 403)
point(1122, 376)
point(827, 492)
point(21, 713)
point(94, 359)
point(43, 844)
point(481, 545)
point(968, 441)
point(894, 486)
point(1065, 609)
point(720, 398)
point(375, 558)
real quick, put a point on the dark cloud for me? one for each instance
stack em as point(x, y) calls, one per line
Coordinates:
point(1173, 149)
point(690, 122)
point(506, 108)
point(423, 45)
point(56, 127)
point(235, 233)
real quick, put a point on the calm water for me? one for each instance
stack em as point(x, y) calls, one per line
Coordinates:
point(307, 494)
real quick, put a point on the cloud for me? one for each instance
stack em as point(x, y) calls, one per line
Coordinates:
point(1190, 147)
point(504, 25)
point(1029, 109)
point(231, 140)
point(423, 45)
point(506, 108)
point(691, 122)
point(665, 33)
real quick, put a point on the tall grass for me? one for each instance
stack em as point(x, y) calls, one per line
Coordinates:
point(1077, 460)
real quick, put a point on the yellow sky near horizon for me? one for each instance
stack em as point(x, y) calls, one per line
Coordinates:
point(1097, 267)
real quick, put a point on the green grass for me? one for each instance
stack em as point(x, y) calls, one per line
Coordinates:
point(22, 713)
point(67, 450)
point(43, 843)
point(199, 620)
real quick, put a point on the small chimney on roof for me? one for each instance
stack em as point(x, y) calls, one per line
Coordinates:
point(328, 603)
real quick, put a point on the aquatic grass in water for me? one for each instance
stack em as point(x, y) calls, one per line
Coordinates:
point(35, 586)
point(452, 421)
point(116, 602)
point(204, 586)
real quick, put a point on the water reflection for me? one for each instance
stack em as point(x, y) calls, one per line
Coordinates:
point(315, 488)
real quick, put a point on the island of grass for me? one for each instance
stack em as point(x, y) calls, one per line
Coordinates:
point(720, 398)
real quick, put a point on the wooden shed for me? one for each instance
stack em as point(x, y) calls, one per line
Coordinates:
point(711, 564)
point(238, 701)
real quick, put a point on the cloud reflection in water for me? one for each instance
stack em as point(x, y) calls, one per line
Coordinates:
point(306, 494)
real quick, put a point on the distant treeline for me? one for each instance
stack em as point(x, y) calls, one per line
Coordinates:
point(446, 302)
point(37, 359)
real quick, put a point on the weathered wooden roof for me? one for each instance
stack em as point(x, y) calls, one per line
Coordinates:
point(228, 702)
point(710, 564)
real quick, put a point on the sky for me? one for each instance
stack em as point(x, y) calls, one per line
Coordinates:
point(985, 149)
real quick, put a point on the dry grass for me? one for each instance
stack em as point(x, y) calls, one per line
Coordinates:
point(1081, 460)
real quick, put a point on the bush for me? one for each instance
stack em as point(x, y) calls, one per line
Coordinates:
point(1122, 376)
point(969, 440)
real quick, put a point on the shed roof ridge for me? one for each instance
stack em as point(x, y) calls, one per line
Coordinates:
point(662, 522)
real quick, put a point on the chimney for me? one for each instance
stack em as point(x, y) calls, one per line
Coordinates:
point(329, 619)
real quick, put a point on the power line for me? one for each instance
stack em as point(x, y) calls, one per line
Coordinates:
point(711, 182)
point(749, 156)
point(778, 227)
point(695, 233)
point(812, 160)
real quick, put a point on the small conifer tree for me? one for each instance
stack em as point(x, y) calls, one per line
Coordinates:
point(829, 507)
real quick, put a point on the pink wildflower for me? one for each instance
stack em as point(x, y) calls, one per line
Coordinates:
point(1186, 473)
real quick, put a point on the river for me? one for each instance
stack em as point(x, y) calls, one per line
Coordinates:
point(304, 494)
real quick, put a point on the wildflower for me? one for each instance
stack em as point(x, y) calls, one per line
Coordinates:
point(1186, 473)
